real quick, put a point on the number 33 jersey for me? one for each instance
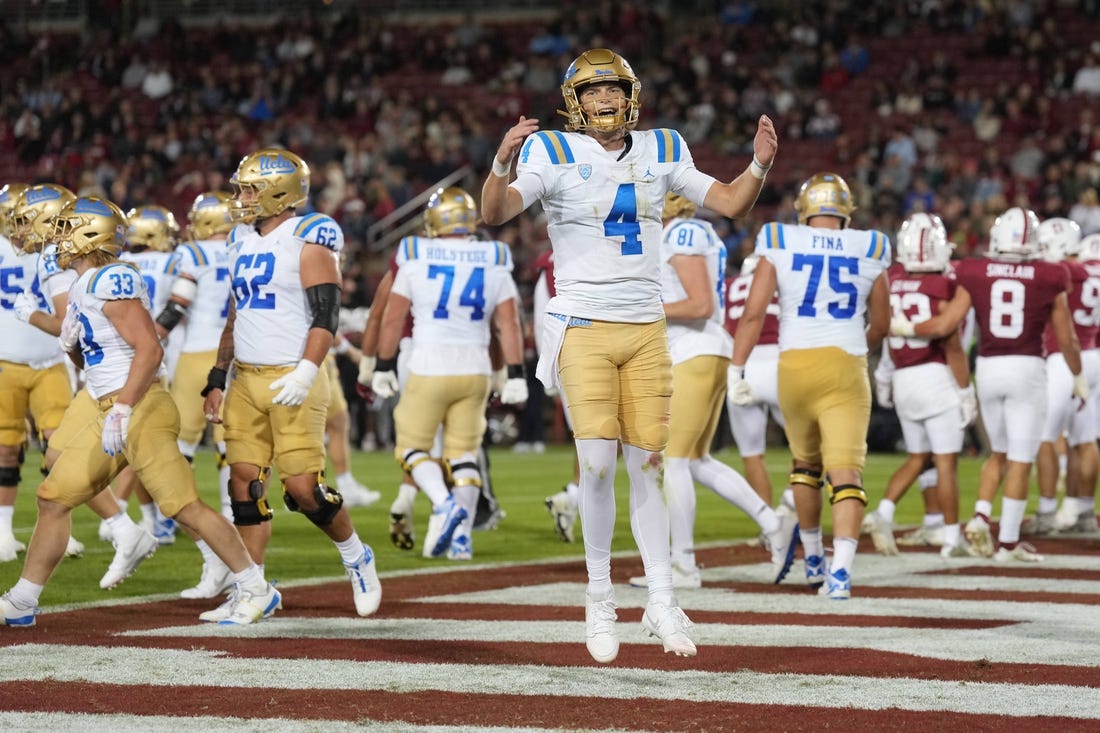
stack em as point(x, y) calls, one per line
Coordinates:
point(824, 277)
point(454, 286)
point(604, 217)
point(273, 318)
point(107, 356)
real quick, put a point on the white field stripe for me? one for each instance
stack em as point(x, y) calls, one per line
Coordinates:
point(1045, 642)
point(130, 666)
point(84, 722)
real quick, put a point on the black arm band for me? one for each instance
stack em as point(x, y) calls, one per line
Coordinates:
point(172, 314)
point(517, 371)
point(386, 365)
point(214, 380)
point(324, 302)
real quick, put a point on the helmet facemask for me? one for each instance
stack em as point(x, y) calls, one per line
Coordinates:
point(86, 226)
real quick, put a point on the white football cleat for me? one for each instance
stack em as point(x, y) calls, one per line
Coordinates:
point(129, 552)
point(75, 548)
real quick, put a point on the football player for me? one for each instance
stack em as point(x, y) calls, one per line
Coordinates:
point(927, 382)
point(1060, 241)
point(456, 287)
point(37, 379)
point(602, 185)
point(282, 317)
point(1015, 295)
point(834, 306)
point(692, 285)
point(122, 417)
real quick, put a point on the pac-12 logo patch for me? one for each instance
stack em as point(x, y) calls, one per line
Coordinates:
point(585, 170)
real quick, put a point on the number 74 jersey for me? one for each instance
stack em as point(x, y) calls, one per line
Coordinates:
point(824, 277)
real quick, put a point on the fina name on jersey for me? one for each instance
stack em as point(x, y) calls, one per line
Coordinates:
point(467, 252)
point(774, 236)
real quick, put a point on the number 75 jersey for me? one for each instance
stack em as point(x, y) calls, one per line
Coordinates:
point(824, 277)
point(272, 316)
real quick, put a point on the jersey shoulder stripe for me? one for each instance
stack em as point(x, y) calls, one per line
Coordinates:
point(669, 149)
point(198, 256)
point(557, 147)
point(103, 287)
point(880, 246)
point(408, 250)
point(322, 229)
point(503, 255)
point(774, 236)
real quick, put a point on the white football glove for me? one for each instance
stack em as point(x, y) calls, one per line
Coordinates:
point(884, 392)
point(514, 391)
point(25, 305)
point(115, 426)
point(741, 393)
point(1081, 386)
point(70, 330)
point(295, 385)
point(385, 384)
point(366, 369)
point(901, 326)
point(968, 404)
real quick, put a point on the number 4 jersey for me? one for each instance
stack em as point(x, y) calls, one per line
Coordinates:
point(824, 277)
point(273, 318)
point(454, 286)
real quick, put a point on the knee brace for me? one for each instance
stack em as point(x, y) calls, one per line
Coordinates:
point(10, 476)
point(412, 459)
point(463, 472)
point(805, 477)
point(221, 462)
point(328, 501)
point(255, 510)
point(848, 491)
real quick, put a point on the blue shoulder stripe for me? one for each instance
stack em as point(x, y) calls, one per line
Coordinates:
point(877, 248)
point(103, 270)
point(308, 223)
point(774, 235)
point(197, 253)
point(412, 248)
point(668, 145)
point(557, 147)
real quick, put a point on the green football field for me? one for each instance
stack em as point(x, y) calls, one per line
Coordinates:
point(521, 481)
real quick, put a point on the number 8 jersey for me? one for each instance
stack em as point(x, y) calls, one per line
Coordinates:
point(603, 214)
point(273, 318)
point(107, 356)
point(824, 277)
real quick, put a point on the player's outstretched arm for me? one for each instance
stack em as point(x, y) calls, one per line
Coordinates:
point(499, 203)
point(736, 198)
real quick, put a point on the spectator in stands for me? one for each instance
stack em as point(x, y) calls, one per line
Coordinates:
point(1086, 212)
point(1087, 78)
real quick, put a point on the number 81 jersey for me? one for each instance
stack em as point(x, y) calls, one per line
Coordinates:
point(107, 356)
point(824, 277)
point(272, 317)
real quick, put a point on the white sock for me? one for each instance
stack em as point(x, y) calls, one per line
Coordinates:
point(1048, 504)
point(951, 535)
point(149, 512)
point(680, 495)
point(573, 491)
point(811, 541)
point(886, 510)
point(209, 557)
point(25, 593)
point(429, 477)
point(928, 479)
point(933, 520)
point(598, 459)
point(787, 499)
point(350, 549)
point(649, 521)
point(251, 579)
point(981, 506)
point(466, 497)
point(121, 522)
point(844, 554)
point(732, 486)
point(345, 481)
point(6, 514)
point(1012, 516)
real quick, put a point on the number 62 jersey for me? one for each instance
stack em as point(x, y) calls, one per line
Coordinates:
point(824, 277)
point(273, 318)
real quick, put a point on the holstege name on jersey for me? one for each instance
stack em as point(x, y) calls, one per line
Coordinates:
point(477, 257)
point(1008, 269)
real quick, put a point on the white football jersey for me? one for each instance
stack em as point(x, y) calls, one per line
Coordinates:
point(273, 317)
point(23, 343)
point(824, 277)
point(159, 272)
point(207, 263)
point(604, 217)
point(454, 285)
point(703, 336)
point(107, 356)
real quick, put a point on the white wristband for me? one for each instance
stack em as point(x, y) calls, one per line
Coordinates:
point(758, 170)
point(501, 170)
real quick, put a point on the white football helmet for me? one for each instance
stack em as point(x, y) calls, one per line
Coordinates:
point(1090, 248)
point(1059, 238)
point(923, 245)
point(1015, 235)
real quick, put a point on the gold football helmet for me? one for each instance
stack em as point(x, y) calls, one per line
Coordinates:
point(824, 194)
point(451, 211)
point(279, 180)
point(8, 195)
point(598, 66)
point(152, 227)
point(33, 213)
point(677, 206)
point(86, 225)
point(210, 215)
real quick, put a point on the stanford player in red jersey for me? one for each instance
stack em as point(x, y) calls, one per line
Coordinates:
point(1014, 296)
point(749, 423)
point(928, 382)
point(1060, 241)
